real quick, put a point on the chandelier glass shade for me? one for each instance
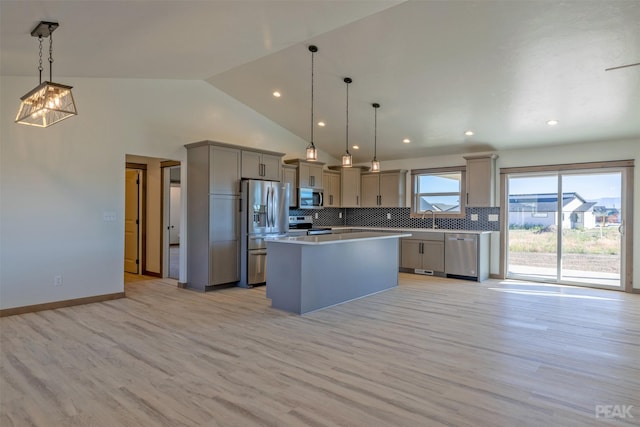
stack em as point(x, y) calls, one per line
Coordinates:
point(49, 102)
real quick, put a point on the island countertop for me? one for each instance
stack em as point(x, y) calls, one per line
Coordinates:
point(325, 239)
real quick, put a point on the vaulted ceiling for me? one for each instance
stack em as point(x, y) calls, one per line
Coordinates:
point(501, 69)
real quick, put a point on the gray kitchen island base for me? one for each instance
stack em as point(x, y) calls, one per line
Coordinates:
point(309, 273)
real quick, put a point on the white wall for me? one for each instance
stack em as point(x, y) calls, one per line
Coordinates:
point(571, 153)
point(56, 183)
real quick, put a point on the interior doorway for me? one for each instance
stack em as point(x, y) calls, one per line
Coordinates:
point(132, 221)
point(172, 192)
point(567, 226)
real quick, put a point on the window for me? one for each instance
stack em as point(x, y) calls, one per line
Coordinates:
point(439, 190)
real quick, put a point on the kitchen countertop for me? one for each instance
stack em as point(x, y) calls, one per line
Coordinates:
point(325, 239)
point(415, 230)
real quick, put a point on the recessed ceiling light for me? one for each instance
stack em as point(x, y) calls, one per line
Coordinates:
point(277, 94)
point(321, 124)
point(406, 140)
point(356, 147)
point(552, 122)
point(469, 133)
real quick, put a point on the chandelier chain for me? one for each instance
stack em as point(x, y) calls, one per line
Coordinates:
point(51, 53)
point(40, 61)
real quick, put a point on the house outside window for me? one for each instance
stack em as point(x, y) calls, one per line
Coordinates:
point(439, 190)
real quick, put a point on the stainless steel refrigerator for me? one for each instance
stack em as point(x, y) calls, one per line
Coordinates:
point(264, 213)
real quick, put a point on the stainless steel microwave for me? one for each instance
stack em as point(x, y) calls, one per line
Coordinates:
point(310, 198)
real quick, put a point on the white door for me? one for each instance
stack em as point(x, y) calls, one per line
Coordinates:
point(174, 215)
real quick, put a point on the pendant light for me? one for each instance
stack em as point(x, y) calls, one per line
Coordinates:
point(347, 159)
point(312, 151)
point(375, 164)
point(48, 103)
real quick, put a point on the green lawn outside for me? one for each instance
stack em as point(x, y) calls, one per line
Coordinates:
point(596, 241)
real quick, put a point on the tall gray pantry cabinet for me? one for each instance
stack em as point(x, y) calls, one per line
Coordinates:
point(213, 215)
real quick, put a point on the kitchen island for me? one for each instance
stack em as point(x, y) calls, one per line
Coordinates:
point(312, 272)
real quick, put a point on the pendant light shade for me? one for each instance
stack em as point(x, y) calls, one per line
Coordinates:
point(347, 159)
point(375, 164)
point(312, 151)
point(48, 103)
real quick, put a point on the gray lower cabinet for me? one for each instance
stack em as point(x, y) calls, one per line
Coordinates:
point(224, 243)
point(423, 252)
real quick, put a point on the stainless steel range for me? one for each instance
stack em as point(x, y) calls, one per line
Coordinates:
point(303, 226)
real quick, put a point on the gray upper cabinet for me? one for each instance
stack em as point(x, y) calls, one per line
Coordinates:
point(289, 176)
point(261, 165)
point(481, 180)
point(350, 187)
point(309, 173)
point(224, 170)
point(384, 189)
point(331, 187)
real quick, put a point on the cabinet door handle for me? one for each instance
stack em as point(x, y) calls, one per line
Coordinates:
point(467, 198)
point(357, 200)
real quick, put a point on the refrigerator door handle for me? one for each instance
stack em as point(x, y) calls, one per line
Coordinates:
point(268, 207)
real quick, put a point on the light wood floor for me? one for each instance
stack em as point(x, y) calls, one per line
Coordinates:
point(432, 352)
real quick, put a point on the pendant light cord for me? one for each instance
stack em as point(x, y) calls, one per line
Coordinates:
point(312, 74)
point(347, 80)
point(375, 132)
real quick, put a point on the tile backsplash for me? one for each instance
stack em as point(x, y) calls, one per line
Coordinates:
point(400, 217)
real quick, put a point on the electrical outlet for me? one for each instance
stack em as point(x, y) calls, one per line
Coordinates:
point(108, 216)
point(492, 217)
point(474, 217)
point(388, 215)
point(57, 280)
point(316, 215)
point(340, 215)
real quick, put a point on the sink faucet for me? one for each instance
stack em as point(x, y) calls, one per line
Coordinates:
point(433, 218)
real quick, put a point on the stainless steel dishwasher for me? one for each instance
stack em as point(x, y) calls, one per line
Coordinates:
point(461, 255)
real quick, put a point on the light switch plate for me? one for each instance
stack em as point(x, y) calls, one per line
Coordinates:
point(109, 216)
point(492, 217)
point(474, 217)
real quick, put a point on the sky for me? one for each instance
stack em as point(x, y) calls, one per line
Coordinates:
point(592, 187)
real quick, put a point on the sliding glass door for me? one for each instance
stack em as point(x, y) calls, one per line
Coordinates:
point(565, 227)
